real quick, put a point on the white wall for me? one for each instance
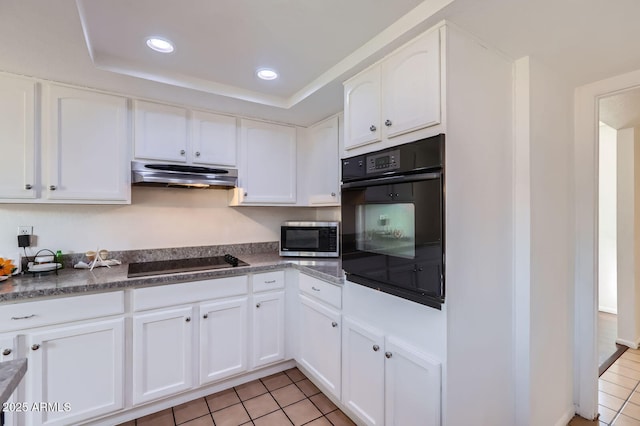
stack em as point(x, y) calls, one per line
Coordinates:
point(607, 222)
point(551, 247)
point(479, 384)
point(156, 218)
point(628, 295)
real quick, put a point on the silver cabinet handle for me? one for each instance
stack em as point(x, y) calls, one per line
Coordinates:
point(270, 282)
point(25, 317)
point(376, 348)
point(334, 324)
point(197, 153)
point(28, 186)
point(6, 352)
point(182, 152)
point(315, 289)
point(373, 128)
point(388, 354)
point(188, 319)
point(257, 305)
point(53, 187)
point(388, 123)
point(205, 316)
point(333, 194)
point(35, 347)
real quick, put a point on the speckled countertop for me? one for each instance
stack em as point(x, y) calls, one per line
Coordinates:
point(71, 281)
point(11, 372)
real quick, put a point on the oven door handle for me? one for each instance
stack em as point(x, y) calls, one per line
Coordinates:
point(391, 180)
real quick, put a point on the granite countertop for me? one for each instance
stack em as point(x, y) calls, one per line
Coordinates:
point(71, 281)
point(11, 372)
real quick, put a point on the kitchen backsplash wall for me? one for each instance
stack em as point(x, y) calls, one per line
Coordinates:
point(156, 218)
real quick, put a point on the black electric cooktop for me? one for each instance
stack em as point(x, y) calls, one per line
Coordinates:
point(160, 267)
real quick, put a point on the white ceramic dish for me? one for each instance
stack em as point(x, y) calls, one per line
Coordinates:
point(44, 267)
point(4, 277)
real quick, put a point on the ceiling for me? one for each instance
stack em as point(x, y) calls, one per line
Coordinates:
point(621, 111)
point(314, 45)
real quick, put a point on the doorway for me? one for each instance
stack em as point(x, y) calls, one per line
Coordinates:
point(587, 101)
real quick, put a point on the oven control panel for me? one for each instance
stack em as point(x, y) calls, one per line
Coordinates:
point(383, 162)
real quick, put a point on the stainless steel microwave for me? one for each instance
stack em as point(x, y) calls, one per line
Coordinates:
point(309, 239)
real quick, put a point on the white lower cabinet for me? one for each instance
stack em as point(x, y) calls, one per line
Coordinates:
point(78, 370)
point(223, 339)
point(268, 328)
point(162, 353)
point(386, 381)
point(319, 345)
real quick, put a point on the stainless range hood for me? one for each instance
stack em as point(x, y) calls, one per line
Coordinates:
point(177, 175)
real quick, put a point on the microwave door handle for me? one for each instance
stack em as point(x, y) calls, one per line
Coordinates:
point(391, 180)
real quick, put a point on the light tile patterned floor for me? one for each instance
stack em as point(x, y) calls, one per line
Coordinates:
point(619, 393)
point(287, 398)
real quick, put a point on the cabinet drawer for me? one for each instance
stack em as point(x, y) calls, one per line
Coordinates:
point(178, 294)
point(268, 281)
point(322, 290)
point(54, 311)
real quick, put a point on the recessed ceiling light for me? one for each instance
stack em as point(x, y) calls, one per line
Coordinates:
point(160, 45)
point(267, 74)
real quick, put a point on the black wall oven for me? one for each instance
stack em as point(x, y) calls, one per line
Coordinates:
point(393, 220)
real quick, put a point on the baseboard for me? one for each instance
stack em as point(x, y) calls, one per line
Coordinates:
point(629, 344)
point(567, 416)
point(604, 309)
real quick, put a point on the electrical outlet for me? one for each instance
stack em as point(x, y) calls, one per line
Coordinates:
point(25, 230)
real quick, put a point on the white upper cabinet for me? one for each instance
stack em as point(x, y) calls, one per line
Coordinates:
point(319, 159)
point(399, 95)
point(213, 139)
point(17, 138)
point(411, 86)
point(176, 134)
point(267, 166)
point(362, 108)
point(160, 132)
point(85, 147)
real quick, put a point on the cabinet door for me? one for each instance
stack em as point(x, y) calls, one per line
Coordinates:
point(86, 146)
point(80, 365)
point(322, 164)
point(319, 350)
point(268, 328)
point(363, 371)
point(268, 163)
point(213, 139)
point(17, 138)
point(160, 132)
point(412, 386)
point(162, 353)
point(362, 109)
point(411, 86)
point(223, 339)
point(8, 353)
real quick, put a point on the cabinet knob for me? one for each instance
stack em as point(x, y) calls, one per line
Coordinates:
point(182, 152)
point(373, 128)
point(6, 352)
point(376, 348)
point(197, 153)
point(188, 319)
point(388, 123)
point(245, 194)
point(388, 354)
point(53, 187)
point(28, 186)
point(334, 324)
point(333, 194)
point(257, 305)
point(35, 347)
point(205, 316)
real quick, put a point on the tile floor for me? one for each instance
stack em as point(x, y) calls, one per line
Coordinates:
point(618, 393)
point(286, 398)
